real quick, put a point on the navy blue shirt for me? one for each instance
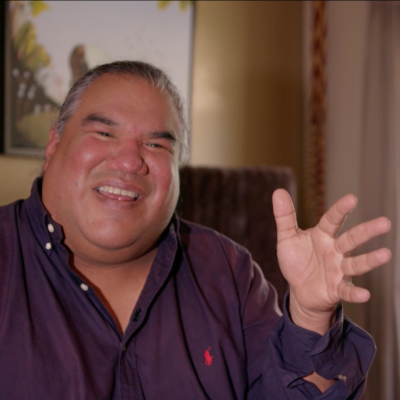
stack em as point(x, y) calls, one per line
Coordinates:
point(206, 325)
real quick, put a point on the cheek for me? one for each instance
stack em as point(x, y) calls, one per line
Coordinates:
point(165, 174)
point(83, 158)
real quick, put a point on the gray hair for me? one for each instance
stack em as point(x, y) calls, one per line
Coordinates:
point(149, 73)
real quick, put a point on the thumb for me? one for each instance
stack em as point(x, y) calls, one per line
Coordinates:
point(285, 215)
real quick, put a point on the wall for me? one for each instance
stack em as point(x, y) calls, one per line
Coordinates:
point(247, 84)
point(16, 176)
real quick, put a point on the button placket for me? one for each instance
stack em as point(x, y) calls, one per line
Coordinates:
point(48, 245)
point(136, 315)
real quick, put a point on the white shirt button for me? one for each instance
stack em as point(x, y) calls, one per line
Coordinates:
point(50, 227)
point(84, 287)
point(48, 246)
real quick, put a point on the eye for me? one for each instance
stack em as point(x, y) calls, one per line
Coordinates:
point(104, 134)
point(159, 145)
point(155, 145)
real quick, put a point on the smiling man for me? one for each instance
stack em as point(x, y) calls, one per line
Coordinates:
point(111, 182)
point(106, 294)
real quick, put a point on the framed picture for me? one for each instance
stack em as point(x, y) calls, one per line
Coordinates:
point(48, 45)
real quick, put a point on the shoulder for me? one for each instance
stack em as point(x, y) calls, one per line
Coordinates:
point(8, 212)
point(9, 234)
point(9, 220)
point(211, 254)
point(225, 268)
point(197, 237)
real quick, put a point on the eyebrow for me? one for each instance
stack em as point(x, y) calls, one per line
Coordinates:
point(163, 135)
point(99, 118)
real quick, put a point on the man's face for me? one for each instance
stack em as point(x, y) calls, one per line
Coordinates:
point(111, 180)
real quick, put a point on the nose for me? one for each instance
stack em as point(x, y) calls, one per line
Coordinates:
point(127, 158)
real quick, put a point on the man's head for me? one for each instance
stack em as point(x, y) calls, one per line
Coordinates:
point(111, 172)
point(154, 76)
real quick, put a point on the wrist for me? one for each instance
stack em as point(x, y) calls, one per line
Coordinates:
point(312, 320)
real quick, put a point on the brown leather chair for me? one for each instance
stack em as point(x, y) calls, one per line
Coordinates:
point(238, 203)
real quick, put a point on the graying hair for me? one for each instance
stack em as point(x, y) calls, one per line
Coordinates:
point(149, 73)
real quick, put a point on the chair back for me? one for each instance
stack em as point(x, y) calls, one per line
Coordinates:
point(238, 203)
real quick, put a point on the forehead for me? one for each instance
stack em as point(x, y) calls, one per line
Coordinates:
point(128, 96)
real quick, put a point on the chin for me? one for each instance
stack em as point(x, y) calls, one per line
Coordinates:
point(112, 241)
point(139, 233)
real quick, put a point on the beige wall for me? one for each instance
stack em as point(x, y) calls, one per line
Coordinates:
point(247, 90)
point(16, 176)
point(247, 86)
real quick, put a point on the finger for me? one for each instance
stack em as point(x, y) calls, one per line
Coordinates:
point(285, 215)
point(360, 234)
point(353, 294)
point(364, 263)
point(333, 219)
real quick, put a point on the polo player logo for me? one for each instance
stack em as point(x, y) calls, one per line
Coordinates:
point(208, 357)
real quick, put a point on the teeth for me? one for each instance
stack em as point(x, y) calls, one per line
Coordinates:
point(115, 190)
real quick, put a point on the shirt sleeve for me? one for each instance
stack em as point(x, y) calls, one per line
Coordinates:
point(343, 354)
point(279, 353)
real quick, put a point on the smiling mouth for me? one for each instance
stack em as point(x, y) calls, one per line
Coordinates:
point(119, 192)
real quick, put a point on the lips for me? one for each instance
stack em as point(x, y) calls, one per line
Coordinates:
point(117, 193)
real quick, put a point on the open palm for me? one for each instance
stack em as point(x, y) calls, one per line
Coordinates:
point(317, 263)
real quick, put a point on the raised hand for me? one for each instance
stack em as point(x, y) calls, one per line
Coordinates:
point(317, 263)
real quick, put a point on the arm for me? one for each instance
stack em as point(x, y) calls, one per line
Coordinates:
point(318, 267)
point(280, 354)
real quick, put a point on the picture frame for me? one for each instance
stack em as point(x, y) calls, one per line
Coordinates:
point(46, 46)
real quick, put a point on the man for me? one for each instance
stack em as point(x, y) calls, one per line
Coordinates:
point(104, 293)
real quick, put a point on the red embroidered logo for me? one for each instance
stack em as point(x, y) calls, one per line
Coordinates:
point(208, 357)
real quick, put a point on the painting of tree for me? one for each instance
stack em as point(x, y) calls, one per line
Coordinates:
point(32, 110)
point(51, 44)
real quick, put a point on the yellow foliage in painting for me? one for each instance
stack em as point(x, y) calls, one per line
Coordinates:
point(30, 53)
point(37, 58)
point(163, 4)
point(38, 7)
point(183, 5)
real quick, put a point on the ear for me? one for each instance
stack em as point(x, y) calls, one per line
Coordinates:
point(54, 139)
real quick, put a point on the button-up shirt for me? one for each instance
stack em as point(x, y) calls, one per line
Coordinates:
point(206, 325)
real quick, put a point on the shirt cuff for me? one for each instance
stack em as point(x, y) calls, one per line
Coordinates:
point(345, 352)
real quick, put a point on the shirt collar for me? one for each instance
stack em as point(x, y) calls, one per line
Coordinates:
point(45, 229)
